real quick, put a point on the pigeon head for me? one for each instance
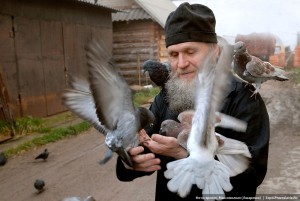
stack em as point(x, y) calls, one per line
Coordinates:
point(146, 117)
point(158, 72)
point(170, 128)
point(240, 46)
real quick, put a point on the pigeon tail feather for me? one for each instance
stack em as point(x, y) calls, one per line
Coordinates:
point(185, 173)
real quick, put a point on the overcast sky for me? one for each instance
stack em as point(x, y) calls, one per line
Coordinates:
point(279, 17)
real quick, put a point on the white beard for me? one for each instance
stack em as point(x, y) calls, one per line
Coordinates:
point(180, 94)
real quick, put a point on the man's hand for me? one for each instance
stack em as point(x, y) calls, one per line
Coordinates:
point(143, 162)
point(166, 146)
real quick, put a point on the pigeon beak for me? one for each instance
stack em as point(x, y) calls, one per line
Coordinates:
point(162, 132)
point(125, 157)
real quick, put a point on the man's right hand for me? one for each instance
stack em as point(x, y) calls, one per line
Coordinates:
point(143, 162)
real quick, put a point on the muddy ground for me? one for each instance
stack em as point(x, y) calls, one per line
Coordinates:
point(72, 168)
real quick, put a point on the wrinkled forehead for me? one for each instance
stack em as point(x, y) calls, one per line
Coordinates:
point(187, 45)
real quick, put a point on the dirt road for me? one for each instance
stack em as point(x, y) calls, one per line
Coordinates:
point(72, 168)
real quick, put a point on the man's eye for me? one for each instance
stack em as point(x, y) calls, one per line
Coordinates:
point(173, 54)
point(190, 51)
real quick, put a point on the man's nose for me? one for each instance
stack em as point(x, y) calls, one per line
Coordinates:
point(182, 61)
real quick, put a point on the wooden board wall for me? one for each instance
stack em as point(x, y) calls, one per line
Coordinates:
point(135, 42)
point(41, 45)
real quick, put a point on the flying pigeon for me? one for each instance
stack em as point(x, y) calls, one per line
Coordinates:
point(88, 198)
point(233, 153)
point(44, 155)
point(158, 71)
point(110, 105)
point(253, 69)
point(39, 185)
point(3, 159)
point(200, 167)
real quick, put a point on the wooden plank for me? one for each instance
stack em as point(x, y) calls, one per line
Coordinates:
point(53, 63)
point(8, 63)
point(30, 68)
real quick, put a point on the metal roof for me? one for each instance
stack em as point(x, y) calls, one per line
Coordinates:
point(132, 14)
point(96, 3)
point(157, 9)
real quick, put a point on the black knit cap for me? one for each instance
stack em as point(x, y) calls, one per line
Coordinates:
point(190, 23)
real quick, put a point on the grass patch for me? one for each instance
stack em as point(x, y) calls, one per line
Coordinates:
point(29, 125)
point(53, 136)
point(297, 75)
point(142, 97)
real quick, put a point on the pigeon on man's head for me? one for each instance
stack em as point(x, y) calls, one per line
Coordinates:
point(158, 71)
point(111, 107)
point(44, 155)
point(253, 69)
point(3, 159)
point(39, 185)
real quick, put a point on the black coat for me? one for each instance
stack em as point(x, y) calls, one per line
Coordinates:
point(237, 104)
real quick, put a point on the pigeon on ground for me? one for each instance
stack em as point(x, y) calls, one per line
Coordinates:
point(158, 71)
point(39, 185)
point(233, 153)
point(254, 70)
point(3, 159)
point(88, 198)
point(200, 167)
point(110, 105)
point(44, 155)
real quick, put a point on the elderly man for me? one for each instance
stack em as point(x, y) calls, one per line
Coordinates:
point(190, 38)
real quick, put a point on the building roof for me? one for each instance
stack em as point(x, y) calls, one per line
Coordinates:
point(96, 3)
point(132, 14)
point(157, 9)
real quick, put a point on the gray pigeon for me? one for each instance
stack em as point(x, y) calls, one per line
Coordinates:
point(253, 69)
point(44, 155)
point(181, 129)
point(3, 159)
point(111, 102)
point(158, 71)
point(200, 167)
point(39, 185)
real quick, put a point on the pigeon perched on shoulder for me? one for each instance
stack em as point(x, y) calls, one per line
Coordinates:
point(39, 185)
point(158, 71)
point(3, 159)
point(44, 155)
point(110, 106)
point(252, 69)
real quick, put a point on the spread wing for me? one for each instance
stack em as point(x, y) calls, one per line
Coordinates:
point(111, 93)
point(78, 99)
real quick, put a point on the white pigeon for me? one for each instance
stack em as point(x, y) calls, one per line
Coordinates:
point(232, 153)
point(200, 167)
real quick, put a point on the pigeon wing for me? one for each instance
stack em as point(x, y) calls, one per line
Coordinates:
point(111, 93)
point(78, 99)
